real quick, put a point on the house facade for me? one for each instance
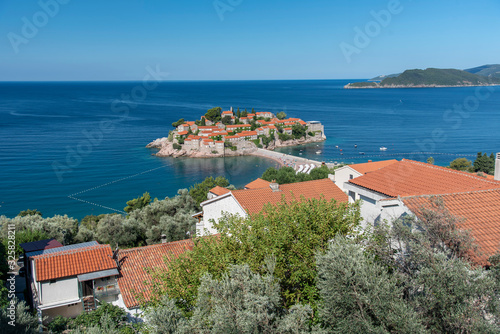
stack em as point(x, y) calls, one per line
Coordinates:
point(71, 279)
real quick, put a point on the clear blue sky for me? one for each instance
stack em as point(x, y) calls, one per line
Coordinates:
point(257, 39)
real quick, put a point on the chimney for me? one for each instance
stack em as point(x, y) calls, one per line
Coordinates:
point(163, 239)
point(497, 167)
point(274, 186)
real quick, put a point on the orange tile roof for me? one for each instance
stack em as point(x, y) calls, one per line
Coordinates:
point(135, 278)
point(288, 128)
point(182, 133)
point(193, 137)
point(480, 211)
point(235, 126)
point(410, 178)
point(219, 141)
point(227, 112)
point(253, 200)
point(258, 183)
point(190, 123)
point(371, 166)
point(73, 262)
point(217, 190)
point(208, 140)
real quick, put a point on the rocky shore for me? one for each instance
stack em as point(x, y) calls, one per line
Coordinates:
point(166, 148)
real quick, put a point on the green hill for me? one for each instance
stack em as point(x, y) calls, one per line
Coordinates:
point(432, 77)
point(486, 70)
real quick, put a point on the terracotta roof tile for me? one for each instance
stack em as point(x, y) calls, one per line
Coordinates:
point(253, 200)
point(258, 183)
point(182, 133)
point(73, 262)
point(481, 211)
point(135, 277)
point(219, 191)
point(371, 166)
point(409, 178)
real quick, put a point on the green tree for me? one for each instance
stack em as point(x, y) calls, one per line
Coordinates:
point(226, 120)
point(244, 113)
point(240, 302)
point(214, 114)
point(137, 203)
point(25, 321)
point(29, 212)
point(298, 131)
point(430, 160)
point(117, 231)
point(238, 112)
point(461, 164)
point(292, 232)
point(199, 191)
point(281, 115)
point(203, 121)
point(358, 295)
point(485, 163)
point(179, 122)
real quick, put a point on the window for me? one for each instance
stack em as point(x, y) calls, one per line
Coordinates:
point(351, 176)
point(368, 199)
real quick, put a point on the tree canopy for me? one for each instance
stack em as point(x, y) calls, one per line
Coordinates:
point(214, 114)
point(281, 115)
point(138, 203)
point(484, 163)
point(179, 122)
point(199, 191)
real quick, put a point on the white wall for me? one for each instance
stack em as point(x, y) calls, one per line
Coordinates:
point(61, 290)
point(67, 311)
point(343, 175)
point(214, 210)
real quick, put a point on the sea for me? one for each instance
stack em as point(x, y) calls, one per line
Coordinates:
point(79, 148)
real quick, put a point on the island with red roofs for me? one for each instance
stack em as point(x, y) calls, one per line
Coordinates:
point(231, 133)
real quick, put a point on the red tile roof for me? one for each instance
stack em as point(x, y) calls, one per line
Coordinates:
point(135, 277)
point(481, 211)
point(371, 166)
point(73, 262)
point(253, 200)
point(258, 183)
point(219, 191)
point(229, 112)
point(409, 178)
point(182, 133)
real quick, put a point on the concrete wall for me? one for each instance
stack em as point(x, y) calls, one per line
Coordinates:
point(67, 311)
point(343, 175)
point(61, 290)
point(214, 210)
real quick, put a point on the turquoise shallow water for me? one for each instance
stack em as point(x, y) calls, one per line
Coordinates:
point(66, 148)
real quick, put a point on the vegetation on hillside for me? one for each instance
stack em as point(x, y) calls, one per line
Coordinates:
point(482, 164)
point(431, 77)
point(286, 175)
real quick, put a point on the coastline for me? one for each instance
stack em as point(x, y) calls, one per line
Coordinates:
point(348, 86)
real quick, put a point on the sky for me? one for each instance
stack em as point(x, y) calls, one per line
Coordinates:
point(242, 39)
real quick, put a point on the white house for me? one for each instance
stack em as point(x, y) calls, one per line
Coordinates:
point(379, 190)
point(68, 280)
point(349, 172)
point(252, 201)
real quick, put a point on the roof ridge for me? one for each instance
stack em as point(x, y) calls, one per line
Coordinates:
point(453, 171)
point(70, 251)
point(152, 246)
point(448, 194)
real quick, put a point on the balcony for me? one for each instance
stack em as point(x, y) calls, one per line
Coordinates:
point(106, 290)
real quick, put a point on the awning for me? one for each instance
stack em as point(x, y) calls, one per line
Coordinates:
point(97, 274)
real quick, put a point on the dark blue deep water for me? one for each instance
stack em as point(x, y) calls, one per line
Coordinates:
point(66, 148)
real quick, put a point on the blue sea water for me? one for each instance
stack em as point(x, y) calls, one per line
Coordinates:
point(79, 148)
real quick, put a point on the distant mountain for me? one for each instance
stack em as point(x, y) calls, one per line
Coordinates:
point(382, 77)
point(434, 77)
point(486, 70)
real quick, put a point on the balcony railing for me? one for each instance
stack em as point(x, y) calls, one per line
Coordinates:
point(107, 290)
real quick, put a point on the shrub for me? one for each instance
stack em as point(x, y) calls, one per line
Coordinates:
point(177, 146)
point(311, 134)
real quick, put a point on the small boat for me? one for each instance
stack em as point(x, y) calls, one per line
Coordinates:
point(336, 146)
point(318, 152)
point(355, 145)
point(383, 148)
point(362, 153)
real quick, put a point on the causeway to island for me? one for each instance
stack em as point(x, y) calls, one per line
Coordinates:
point(227, 133)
